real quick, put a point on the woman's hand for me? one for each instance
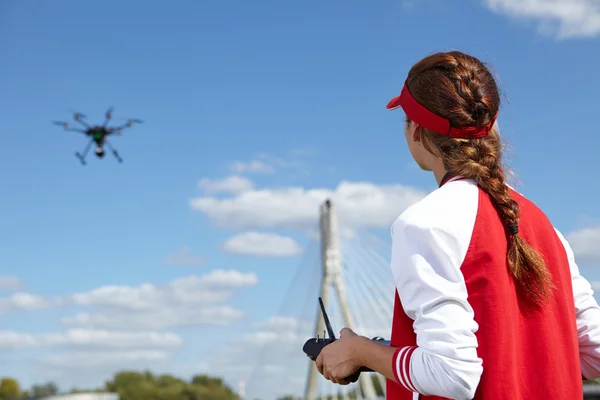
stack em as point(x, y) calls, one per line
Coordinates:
point(339, 360)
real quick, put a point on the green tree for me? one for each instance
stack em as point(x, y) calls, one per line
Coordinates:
point(208, 387)
point(9, 389)
point(47, 389)
point(132, 385)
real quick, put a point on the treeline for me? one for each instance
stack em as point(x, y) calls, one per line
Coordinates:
point(131, 385)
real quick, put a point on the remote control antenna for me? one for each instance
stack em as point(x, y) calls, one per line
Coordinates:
point(326, 318)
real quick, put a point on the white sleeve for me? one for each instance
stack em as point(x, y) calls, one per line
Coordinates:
point(426, 262)
point(587, 314)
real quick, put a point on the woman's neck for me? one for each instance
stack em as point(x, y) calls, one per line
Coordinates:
point(439, 171)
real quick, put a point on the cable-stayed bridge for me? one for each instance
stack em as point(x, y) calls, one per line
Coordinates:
point(351, 272)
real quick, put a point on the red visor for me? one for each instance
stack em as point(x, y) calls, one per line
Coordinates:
point(428, 120)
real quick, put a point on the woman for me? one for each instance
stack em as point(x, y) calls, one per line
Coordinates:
point(489, 301)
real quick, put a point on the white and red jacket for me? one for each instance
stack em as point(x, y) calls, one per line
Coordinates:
point(458, 324)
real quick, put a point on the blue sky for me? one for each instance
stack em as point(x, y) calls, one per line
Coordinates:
point(295, 94)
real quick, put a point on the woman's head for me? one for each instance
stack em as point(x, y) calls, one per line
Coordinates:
point(459, 90)
point(451, 101)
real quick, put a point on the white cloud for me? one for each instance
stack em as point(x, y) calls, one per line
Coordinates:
point(192, 300)
point(120, 325)
point(25, 301)
point(563, 18)
point(255, 166)
point(585, 244)
point(10, 283)
point(270, 337)
point(212, 287)
point(90, 338)
point(278, 323)
point(185, 257)
point(162, 318)
point(231, 184)
point(118, 359)
point(294, 162)
point(229, 279)
point(362, 204)
point(259, 244)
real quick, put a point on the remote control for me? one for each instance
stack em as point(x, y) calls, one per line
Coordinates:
point(313, 346)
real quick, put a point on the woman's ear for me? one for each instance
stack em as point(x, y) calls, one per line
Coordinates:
point(415, 132)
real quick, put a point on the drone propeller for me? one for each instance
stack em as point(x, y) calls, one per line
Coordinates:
point(68, 126)
point(77, 116)
point(108, 115)
point(132, 121)
point(63, 124)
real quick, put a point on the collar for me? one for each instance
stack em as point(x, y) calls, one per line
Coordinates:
point(450, 178)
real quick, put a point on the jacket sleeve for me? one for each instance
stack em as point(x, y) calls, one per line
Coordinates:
point(587, 314)
point(426, 262)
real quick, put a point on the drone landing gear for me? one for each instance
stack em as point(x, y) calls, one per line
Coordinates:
point(85, 151)
point(99, 152)
point(119, 159)
point(81, 158)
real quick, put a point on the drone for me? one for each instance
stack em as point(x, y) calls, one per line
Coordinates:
point(98, 134)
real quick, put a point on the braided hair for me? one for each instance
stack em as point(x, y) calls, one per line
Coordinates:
point(461, 88)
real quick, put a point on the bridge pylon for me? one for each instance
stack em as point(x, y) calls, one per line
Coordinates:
point(332, 279)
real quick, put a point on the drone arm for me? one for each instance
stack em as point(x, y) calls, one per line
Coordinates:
point(70, 128)
point(118, 129)
point(67, 127)
point(82, 122)
point(128, 124)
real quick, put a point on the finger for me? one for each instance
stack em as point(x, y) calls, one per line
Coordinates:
point(325, 373)
point(346, 331)
point(319, 363)
point(343, 382)
point(332, 378)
